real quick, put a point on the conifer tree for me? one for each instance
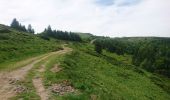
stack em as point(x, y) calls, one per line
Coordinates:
point(15, 24)
point(30, 29)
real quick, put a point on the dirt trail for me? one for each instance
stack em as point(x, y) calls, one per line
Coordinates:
point(41, 91)
point(92, 41)
point(38, 84)
point(38, 81)
point(8, 79)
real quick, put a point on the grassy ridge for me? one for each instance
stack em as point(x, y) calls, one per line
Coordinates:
point(15, 46)
point(95, 76)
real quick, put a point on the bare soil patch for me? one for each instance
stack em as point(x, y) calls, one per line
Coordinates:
point(42, 68)
point(56, 68)
point(93, 97)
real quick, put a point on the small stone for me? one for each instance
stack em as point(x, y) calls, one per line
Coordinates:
point(19, 89)
point(62, 88)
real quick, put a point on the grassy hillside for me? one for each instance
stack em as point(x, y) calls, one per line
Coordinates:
point(105, 77)
point(16, 45)
point(110, 75)
point(86, 36)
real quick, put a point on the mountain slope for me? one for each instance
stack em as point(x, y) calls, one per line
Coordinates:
point(16, 45)
point(83, 74)
point(104, 77)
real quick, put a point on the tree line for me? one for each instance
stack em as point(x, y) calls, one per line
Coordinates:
point(57, 34)
point(116, 45)
point(152, 54)
point(47, 33)
point(18, 26)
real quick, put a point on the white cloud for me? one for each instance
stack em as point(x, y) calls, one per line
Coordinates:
point(147, 18)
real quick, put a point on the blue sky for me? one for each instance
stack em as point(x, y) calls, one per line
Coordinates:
point(115, 18)
point(105, 2)
point(117, 2)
